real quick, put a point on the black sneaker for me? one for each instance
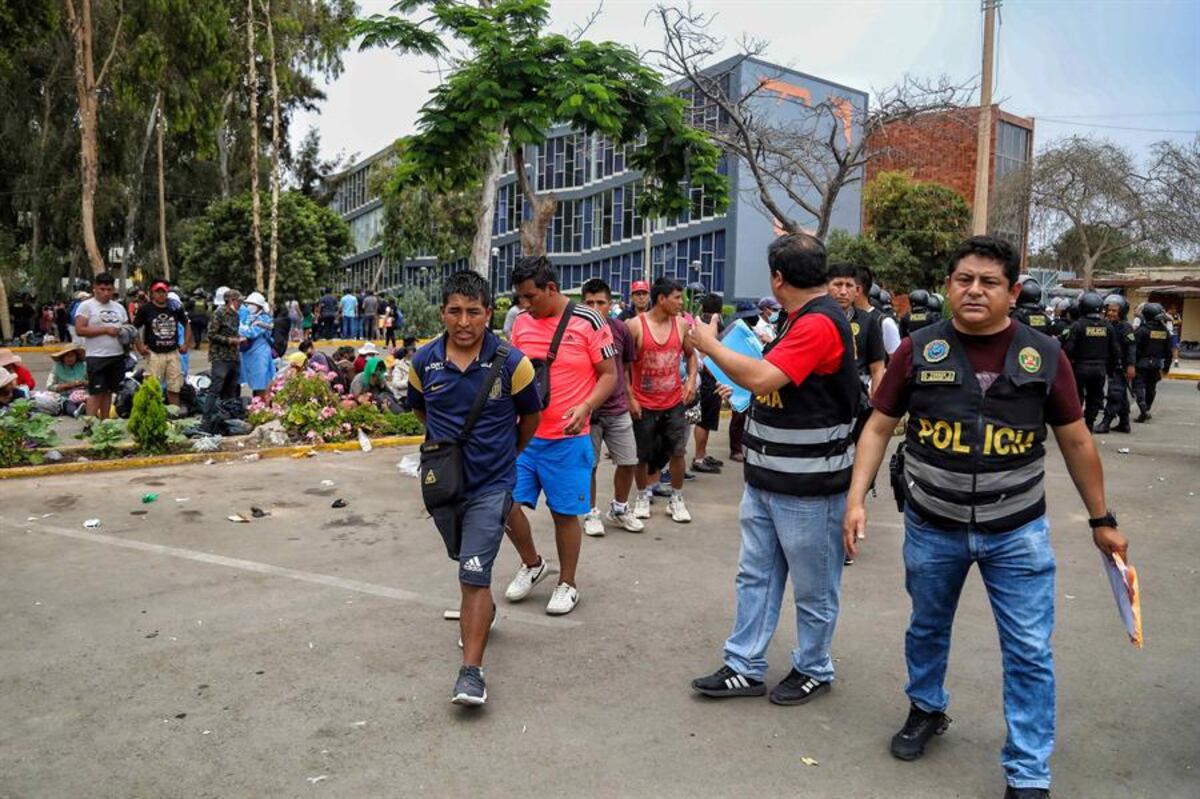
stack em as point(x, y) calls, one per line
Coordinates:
point(797, 688)
point(727, 682)
point(470, 689)
point(1123, 427)
point(705, 468)
point(1144, 416)
point(909, 743)
point(849, 561)
point(1027, 793)
point(711, 461)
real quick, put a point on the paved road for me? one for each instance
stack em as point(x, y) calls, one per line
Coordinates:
point(305, 654)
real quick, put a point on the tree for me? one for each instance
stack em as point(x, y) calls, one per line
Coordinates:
point(893, 266)
point(88, 82)
point(313, 240)
point(807, 158)
point(1177, 176)
point(311, 175)
point(252, 90)
point(516, 82)
point(1094, 188)
point(274, 152)
point(926, 219)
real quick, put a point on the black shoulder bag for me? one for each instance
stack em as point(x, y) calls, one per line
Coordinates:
point(541, 366)
point(443, 482)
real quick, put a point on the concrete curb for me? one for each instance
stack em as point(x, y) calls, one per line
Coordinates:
point(1182, 375)
point(152, 461)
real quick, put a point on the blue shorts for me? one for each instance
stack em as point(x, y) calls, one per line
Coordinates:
point(473, 532)
point(559, 467)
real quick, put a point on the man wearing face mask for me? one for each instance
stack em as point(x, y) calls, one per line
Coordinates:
point(768, 317)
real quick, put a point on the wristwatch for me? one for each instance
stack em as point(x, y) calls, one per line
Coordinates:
point(1107, 520)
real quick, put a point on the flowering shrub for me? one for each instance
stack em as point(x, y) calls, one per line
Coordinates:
point(312, 412)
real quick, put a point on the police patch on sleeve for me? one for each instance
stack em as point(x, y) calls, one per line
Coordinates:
point(1030, 359)
point(936, 350)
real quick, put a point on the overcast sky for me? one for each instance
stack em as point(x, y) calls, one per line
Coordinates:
point(1122, 69)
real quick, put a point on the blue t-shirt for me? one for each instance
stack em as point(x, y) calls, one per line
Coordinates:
point(445, 394)
point(349, 305)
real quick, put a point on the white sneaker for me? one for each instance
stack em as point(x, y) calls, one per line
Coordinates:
point(592, 525)
point(563, 601)
point(527, 577)
point(678, 510)
point(641, 507)
point(625, 520)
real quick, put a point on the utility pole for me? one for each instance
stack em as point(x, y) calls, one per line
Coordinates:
point(983, 154)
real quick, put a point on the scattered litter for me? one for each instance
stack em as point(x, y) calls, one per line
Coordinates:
point(54, 456)
point(339, 503)
point(238, 518)
point(258, 513)
point(1069, 596)
point(326, 482)
point(364, 442)
point(47, 515)
point(523, 728)
point(148, 498)
point(207, 444)
point(82, 459)
point(1124, 450)
point(155, 635)
point(241, 445)
point(209, 462)
point(91, 524)
point(182, 499)
point(308, 453)
point(32, 519)
point(1162, 479)
point(410, 465)
point(251, 458)
point(808, 761)
point(206, 732)
point(181, 715)
point(315, 780)
point(310, 644)
point(451, 615)
point(360, 724)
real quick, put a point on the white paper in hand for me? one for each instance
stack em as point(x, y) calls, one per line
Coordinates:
point(1123, 580)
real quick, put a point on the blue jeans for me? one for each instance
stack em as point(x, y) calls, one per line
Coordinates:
point(782, 534)
point(349, 327)
point(1017, 568)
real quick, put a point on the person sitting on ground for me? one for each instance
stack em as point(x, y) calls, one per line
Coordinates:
point(370, 386)
point(343, 367)
point(69, 376)
point(315, 358)
point(367, 350)
point(13, 363)
point(9, 390)
point(398, 378)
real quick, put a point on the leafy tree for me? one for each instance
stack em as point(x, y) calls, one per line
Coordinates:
point(516, 81)
point(894, 267)
point(422, 315)
point(313, 239)
point(925, 219)
point(312, 175)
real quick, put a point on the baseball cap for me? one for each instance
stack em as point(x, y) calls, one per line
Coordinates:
point(769, 304)
point(159, 284)
point(639, 285)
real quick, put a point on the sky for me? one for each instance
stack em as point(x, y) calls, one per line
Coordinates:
point(1124, 70)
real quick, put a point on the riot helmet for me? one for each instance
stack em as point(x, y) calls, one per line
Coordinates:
point(919, 299)
point(1152, 311)
point(1031, 293)
point(1121, 304)
point(1090, 303)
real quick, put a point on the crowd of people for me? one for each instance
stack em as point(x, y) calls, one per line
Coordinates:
point(972, 386)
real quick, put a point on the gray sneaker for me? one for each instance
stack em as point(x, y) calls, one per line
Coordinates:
point(469, 688)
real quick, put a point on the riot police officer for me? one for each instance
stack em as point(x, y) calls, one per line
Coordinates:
point(1092, 347)
point(1153, 352)
point(1059, 324)
point(918, 315)
point(885, 304)
point(1116, 403)
point(1029, 308)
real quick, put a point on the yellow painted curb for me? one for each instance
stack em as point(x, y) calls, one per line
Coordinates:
point(152, 461)
point(1182, 376)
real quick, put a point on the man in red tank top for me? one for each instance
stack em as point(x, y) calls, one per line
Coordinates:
point(658, 395)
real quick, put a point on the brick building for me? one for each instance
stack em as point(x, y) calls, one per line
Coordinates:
point(940, 147)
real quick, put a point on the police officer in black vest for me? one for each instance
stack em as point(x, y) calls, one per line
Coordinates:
point(1094, 351)
point(918, 315)
point(1153, 357)
point(972, 477)
point(1029, 308)
point(799, 453)
point(1116, 403)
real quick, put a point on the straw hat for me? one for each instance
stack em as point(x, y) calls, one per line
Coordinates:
point(72, 347)
point(8, 357)
point(6, 377)
point(368, 348)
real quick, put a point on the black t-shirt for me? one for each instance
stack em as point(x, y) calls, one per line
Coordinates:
point(328, 305)
point(158, 325)
point(867, 327)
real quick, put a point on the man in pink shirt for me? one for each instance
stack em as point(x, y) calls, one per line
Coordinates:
point(574, 378)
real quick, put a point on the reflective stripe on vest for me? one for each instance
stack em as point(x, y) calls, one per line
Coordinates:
point(784, 435)
point(1002, 508)
point(792, 465)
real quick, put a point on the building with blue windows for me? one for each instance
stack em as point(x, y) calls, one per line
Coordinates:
point(597, 230)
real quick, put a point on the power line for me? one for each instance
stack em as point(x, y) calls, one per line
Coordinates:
point(1063, 121)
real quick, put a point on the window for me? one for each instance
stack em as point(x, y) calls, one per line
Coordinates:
point(1012, 148)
